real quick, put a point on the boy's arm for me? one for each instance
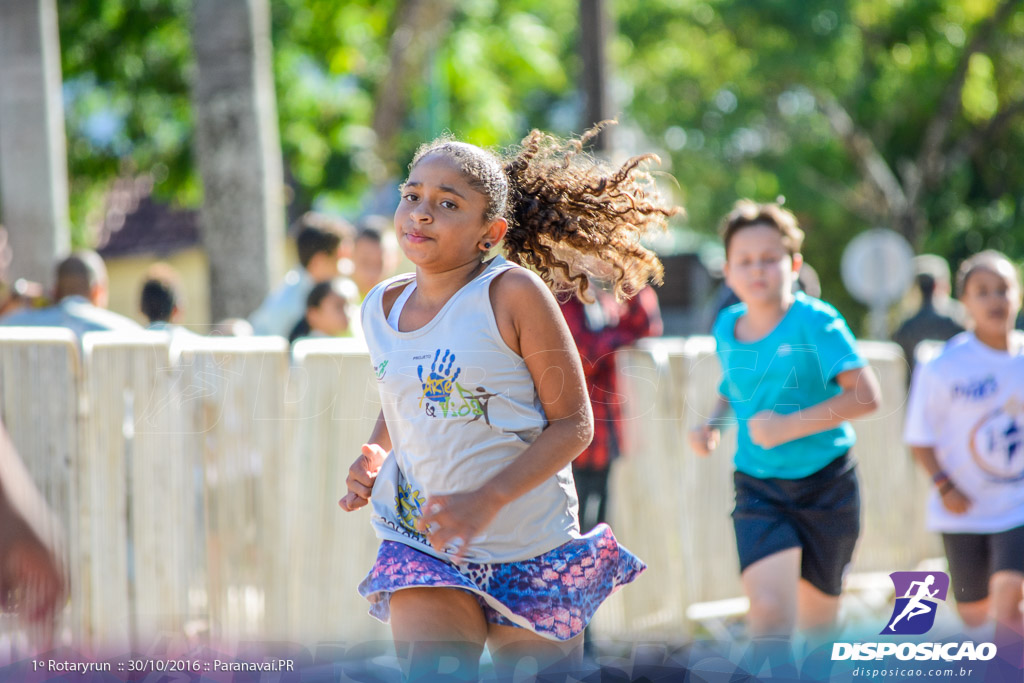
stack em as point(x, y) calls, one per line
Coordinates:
point(860, 396)
point(719, 412)
point(704, 438)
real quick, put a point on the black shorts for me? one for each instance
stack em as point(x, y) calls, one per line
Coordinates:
point(974, 558)
point(819, 513)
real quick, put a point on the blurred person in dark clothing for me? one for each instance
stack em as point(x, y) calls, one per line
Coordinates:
point(161, 301)
point(939, 316)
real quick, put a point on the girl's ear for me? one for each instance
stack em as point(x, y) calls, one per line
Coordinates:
point(495, 233)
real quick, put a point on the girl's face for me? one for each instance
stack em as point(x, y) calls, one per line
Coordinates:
point(330, 317)
point(992, 297)
point(759, 268)
point(440, 219)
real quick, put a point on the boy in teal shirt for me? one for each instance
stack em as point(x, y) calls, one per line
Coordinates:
point(792, 375)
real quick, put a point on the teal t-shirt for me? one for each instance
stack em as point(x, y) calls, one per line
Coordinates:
point(793, 367)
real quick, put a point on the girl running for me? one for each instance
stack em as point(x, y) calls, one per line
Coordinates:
point(965, 426)
point(484, 402)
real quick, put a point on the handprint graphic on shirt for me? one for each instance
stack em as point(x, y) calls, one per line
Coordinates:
point(437, 387)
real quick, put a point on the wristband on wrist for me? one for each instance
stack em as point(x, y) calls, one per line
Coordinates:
point(946, 486)
point(939, 477)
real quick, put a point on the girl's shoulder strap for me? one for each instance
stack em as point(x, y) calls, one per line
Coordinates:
point(479, 291)
point(372, 301)
point(379, 289)
point(497, 266)
point(395, 312)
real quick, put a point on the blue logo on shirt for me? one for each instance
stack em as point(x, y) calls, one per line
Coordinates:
point(975, 390)
point(997, 442)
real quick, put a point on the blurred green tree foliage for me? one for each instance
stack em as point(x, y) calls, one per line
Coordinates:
point(126, 97)
point(499, 69)
point(861, 112)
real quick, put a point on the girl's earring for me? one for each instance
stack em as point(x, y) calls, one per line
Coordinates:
point(487, 245)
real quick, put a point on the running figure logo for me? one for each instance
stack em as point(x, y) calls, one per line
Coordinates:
point(914, 612)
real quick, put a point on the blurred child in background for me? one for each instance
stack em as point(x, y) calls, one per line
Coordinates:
point(328, 311)
point(793, 376)
point(965, 427)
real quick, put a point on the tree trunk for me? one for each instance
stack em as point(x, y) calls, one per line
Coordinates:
point(595, 30)
point(33, 148)
point(238, 150)
point(421, 26)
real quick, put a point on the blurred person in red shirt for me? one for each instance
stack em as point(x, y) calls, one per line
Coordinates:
point(599, 329)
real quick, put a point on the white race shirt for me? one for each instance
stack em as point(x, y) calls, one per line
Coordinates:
point(460, 406)
point(968, 404)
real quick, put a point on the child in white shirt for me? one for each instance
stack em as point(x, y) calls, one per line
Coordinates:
point(965, 427)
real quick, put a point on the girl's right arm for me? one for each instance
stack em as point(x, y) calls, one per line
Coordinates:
point(705, 437)
point(380, 434)
point(363, 471)
point(925, 410)
point(952, 498)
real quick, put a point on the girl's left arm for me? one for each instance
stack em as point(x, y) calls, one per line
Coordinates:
point(543, 340)
point(550, 354)
point(860, 396)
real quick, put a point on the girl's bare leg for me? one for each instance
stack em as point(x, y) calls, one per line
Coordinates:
point(517, 652)
point(440, 632)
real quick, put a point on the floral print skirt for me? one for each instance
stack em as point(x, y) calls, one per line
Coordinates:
point(554, 594)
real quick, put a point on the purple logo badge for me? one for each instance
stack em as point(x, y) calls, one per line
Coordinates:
point(917, 594)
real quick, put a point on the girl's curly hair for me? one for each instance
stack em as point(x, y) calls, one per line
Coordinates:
point(570, 216)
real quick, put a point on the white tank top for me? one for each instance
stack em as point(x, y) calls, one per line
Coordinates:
point(460, 405)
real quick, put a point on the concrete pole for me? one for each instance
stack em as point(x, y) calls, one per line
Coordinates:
point(238, 150)
point(33, 147)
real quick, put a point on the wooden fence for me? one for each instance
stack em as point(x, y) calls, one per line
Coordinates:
point(197, 480)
